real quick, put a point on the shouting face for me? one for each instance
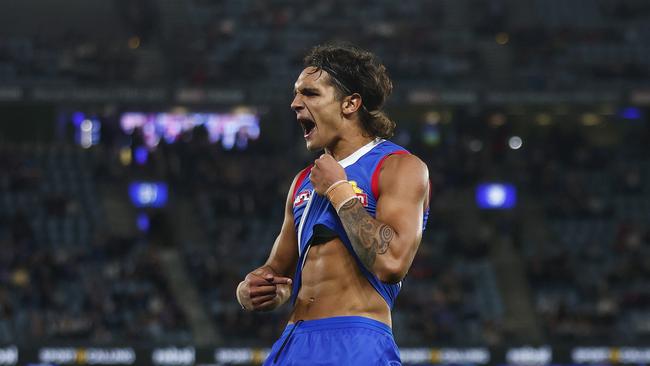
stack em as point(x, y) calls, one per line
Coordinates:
point(318, 109)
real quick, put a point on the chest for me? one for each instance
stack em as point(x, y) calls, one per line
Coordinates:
point(308, 202)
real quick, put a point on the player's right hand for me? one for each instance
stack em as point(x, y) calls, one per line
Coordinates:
point(263, 290)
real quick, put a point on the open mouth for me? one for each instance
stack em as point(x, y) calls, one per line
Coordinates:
point(308, 126)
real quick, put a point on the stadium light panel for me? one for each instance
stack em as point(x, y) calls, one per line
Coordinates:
point(496, 196)
point(148, 194)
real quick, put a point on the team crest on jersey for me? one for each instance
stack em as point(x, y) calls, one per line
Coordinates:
point(301, 198)
point(361, 195)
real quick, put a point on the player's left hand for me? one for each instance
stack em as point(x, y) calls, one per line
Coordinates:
point(325, 172)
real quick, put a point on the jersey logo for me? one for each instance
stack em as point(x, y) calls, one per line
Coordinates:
point(301, 198)
point(361, 195)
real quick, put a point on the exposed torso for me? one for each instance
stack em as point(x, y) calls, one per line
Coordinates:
point(333, 285)
point(329, 281)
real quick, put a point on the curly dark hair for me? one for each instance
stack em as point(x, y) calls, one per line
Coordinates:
point(354, 70)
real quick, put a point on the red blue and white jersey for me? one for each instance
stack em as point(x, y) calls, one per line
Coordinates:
point(311, 209)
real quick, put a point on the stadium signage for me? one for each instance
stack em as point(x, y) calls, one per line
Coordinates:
point(552, 97)
point(238, 356)
point(524, 355)
point(173, 356)
point(590, 354)
point(11, 94)
point(529, 356)
point(97, 94)
point(625, 355)
point(478, 356)
point(640, 97)
point(632, 355)
point(9, 355)
point(87, 356)
point(252, 94)
point(442, 96)
point(416, 355)
point(199, 95)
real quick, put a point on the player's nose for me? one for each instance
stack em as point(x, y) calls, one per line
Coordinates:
point(296, 104)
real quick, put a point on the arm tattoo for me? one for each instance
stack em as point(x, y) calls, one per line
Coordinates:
point(368, 236)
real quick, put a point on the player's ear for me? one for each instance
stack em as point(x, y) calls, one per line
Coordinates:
point(351, 103)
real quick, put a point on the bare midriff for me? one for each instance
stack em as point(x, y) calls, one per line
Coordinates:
point(333, 285)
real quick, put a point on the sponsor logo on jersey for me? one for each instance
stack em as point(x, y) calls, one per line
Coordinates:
point(361, 195)
point(301, 198)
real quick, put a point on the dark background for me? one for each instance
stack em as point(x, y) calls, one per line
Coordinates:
point(568, 266)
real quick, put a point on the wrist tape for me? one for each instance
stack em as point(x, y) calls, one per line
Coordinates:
point(339, 193)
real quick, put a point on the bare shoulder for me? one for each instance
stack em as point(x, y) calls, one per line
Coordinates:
point(405, 171)
point(405, 165)
point(408, 161)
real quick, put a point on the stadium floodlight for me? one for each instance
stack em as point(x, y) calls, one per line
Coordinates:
point(148, 194)
point(496, 196)
point(630, 113)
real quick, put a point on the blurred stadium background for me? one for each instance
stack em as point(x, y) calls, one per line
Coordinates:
point(146, 148)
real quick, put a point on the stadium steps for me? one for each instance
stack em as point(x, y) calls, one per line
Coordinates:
point(520, 317)
point(533, 231)
point(510, 281)
point(179, 282)
point(120, 217)
point(188, 229)
point(188, 233)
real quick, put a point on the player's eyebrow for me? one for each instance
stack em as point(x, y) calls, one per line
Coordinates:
point(303, 90)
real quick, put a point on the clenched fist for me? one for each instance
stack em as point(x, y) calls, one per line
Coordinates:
point(325, 172)
point(263, 290)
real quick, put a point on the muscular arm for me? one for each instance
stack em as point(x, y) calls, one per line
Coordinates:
point(387, 244)
point(369, 236)
point(284, 254)
point(269, 286)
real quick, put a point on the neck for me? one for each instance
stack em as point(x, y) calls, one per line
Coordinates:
point(347, 145)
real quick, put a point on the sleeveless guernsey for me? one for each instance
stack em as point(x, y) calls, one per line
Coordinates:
point(314, 215)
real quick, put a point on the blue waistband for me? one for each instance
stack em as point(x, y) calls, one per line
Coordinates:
point(338, 322)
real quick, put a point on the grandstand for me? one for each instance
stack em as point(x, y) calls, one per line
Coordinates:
point(549, 96)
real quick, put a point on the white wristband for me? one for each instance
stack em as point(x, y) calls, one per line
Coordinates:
point(333, 185)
